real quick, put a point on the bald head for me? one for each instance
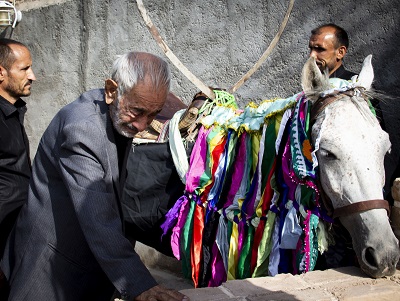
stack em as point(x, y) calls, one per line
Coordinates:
point(340, 35)
point(7, 56)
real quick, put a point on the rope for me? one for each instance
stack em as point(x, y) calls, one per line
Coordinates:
point(168, 52)
point(266, 53)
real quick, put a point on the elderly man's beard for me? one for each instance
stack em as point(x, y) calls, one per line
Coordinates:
point(124, 129)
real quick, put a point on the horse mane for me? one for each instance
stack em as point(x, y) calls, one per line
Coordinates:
point(358, 102)
point(376, 97)
point(366, 96)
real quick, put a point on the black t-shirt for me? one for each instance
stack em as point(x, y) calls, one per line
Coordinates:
point(15, 168)
point(342, 73)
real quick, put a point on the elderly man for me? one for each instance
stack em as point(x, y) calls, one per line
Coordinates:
point(68, 243)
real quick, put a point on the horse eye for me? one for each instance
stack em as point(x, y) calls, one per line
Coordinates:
point(327, 154)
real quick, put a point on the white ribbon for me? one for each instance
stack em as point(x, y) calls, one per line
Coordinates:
point(177, 147)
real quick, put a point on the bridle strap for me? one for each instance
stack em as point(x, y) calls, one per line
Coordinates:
point(320, 105)
point(323, 102)
point(360, 207)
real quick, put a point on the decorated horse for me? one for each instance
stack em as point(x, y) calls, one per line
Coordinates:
point(263, 187)
point(351, 169)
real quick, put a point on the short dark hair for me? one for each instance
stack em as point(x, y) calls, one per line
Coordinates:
point(7, 57)
point(342, 39)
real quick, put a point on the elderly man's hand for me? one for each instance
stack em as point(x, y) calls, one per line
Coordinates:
point(160, 293)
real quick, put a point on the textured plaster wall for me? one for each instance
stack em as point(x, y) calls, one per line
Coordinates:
point(73, 44)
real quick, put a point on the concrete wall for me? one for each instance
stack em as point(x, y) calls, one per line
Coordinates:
point(73, 44)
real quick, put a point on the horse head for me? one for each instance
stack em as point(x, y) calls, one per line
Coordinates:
point(350, 147)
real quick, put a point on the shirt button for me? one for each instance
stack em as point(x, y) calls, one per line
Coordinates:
point(124, 295)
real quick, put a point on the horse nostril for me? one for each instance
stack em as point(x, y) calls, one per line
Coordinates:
point(370, 258)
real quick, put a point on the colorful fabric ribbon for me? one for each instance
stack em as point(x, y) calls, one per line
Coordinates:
point(251, 203)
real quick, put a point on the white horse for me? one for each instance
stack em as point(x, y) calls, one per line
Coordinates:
point(351, 151)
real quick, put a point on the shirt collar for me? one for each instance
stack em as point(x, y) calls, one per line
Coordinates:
point(338, 72)
point(8, 108)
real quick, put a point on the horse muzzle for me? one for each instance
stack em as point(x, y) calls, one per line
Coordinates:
point(380, 262)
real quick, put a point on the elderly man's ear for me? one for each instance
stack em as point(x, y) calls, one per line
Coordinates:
point(111, 90)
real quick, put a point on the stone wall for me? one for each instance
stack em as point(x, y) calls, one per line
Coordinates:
point(74, 42)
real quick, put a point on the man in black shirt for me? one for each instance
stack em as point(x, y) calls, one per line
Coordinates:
point(16, 77)
point(329, 44)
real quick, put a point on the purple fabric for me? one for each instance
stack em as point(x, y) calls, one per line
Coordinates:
point(197, 165)
point(172, 215)
point(218, 272)
point(176, 231)
point(197, 160)
point(242, 235)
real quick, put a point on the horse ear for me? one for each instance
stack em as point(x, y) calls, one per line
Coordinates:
point(312, 80)
point(366, 75)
